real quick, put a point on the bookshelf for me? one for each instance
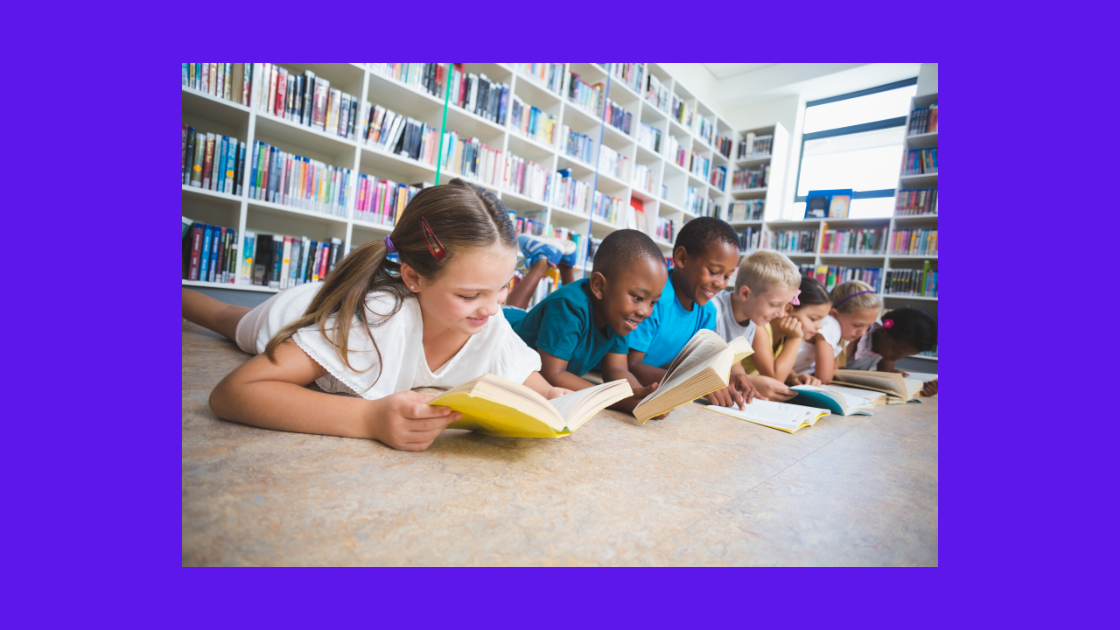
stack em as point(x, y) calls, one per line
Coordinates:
point(666, 198)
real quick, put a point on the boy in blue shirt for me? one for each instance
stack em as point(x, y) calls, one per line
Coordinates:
point(587, 321)
point(704, 256)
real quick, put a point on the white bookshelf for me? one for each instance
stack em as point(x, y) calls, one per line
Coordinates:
point(249, 123)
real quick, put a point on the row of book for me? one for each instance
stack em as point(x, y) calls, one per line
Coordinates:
point(569, 192)
point(719, 177)
point(920, 161)
point(577, 145)
point(681, 111)
point(753, 146)
point(749, 210)
point(381, 200)
point(525, 225)
point(657, 94)
point(617, 117)
point(918, 282)
point(632, 75)
point(613, 163)
point(213, 161)
point(911, 203)
point(699, 165)
point(676, 153)
point(649, 137)
point(587, 97)
point(472, 158)
point(832, 276)
point(209, 253)
point(608, 208)
point(428, 77)
point(929, 353)
point(722, 144)
point(858, 241)
point(400, 135)
point(643, 178)
point(479, 95)
point(532, 122)
point(793, 241)
point(746, 178)
point(549, 75)
point(920, 242)
point(307, 100)
point(527, 178)
point(750, 239)
point(923, 120)
point(696, 203)
point(281, 262)
point(228, 81)
point(291, 180)
point(664, 229)
point(704, 128)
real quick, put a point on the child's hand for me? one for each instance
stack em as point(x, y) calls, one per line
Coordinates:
point(556, 392)
point(771, 389)
point(642, 392)
point(929, 388)
point(726, 397)
point(406, 422)
point(789, 326)
point(807, 379)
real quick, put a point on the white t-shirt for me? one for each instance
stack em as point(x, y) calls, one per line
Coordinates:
point(495, 350)
point(726, 326)
point(807, 354)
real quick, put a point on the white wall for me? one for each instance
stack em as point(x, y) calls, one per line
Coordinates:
point(927, 79)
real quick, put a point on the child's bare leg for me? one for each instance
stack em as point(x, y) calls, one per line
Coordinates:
point(218, 316)
point(523, 292)
point(567, 274)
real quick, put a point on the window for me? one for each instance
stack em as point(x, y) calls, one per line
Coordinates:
point(855, 141)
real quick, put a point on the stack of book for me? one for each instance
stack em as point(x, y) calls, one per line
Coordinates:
point(682, 113)
point(210, 253)
point(704, 128)
point(918, 282)
point(613, 163)
point(698, 204)
point(548, 75)
point(307, 100)
point(400, 135)
point(379, 201)
point(746, 179)
point(472, 159)
point(664, 229)
point(527, 178)
point(913, 203)
point(753, 146)
point(608, 208)
point(290, 180)
point(923, 120)
point(722, 144)
point(719, 178)
point(676, 152)
point(532, 122)
point(861, 241)
point(214, 162)
point(479, 95)
point(617, 117)
point(525, 225)
point(423, 76)
point(658, 94)
point(570, 193)
point(229, 81)
point(282, 262)
point(921, 242)
point(920, 161)
point(643, 178)
point(649, 137)
point(698, 165)
point(832, 276)
point(577, 145)
point(632, 75)
point(589, 98)
point(750, 239)
point(745, 210)
point(793, 241)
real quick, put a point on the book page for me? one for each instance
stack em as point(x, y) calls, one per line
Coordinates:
point(696, 356)
point(851, 397)
point(566, 403)
point(890, 382)
point(786, 416)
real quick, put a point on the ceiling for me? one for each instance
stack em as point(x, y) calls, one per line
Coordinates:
point(727, 70)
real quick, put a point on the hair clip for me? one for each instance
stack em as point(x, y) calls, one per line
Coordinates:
point(887, 323)
point(795, 301)
point(434, 246)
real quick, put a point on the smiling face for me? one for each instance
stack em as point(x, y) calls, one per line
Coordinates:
point(811, 318)
point(468, 293)
point(626, 299)
point(699, 278)
point(855, 324)
point(763, 307)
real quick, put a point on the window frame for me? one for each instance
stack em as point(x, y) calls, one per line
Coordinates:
point(888, 123)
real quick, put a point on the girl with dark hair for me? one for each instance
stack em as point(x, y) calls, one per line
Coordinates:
point(420, 308)
point(903, 332)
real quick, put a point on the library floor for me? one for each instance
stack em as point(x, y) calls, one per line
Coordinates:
point(694, 489)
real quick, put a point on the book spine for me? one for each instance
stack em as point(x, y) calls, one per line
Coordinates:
point(293, 267)
point(221, 243)
point(305, 249)
point(277, 262)
point(197, 235)
point(248, 244)
point(286, 261)
point(336, 254)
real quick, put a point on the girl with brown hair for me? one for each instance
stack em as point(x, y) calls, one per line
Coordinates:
point(420, 308)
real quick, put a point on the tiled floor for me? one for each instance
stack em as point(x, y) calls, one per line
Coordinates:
point(696, 488)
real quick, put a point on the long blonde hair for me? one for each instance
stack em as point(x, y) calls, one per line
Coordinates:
point(462, 216)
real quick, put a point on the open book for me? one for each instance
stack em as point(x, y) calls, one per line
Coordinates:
point(842, 401)
point(495, 406)
point(776, 415)
point(702, 367)
point(897, 388)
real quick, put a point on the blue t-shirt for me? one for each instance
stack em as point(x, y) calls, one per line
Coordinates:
point(666, 331)
point(564, 326)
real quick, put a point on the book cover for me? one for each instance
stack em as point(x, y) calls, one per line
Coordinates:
point(293, 268)
point(247, 250)
point(221, 242)
point(286, 261)
point(308, 96)
point(215, 247)
point(336, 254)
point(208, 161)
point(343, 115)
point(332, 110)
point(189, 161)
point(324, 258)
point(277, 261)
point(197, 234)
point(260, 259)
point(306, 270)
point(204, 265)
point(239, 169)
point(319, 111)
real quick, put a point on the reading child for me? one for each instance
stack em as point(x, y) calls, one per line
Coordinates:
point(587, 321)
point(816, 360)
point(704, 256)
point(902, 333)
point(777, 340)
point(420, 308)
point(855, 307)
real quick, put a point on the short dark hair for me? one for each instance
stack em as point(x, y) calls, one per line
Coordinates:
point(698, 233)
point(915, 327)
point(622, 249)
point(812, 292)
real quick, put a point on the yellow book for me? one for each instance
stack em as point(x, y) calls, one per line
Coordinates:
point(701, 367)
point(898, 389)
point(776, 415)
point(495, 406)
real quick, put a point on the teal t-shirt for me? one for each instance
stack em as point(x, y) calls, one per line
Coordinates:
point(564, 326)
point(666, 331)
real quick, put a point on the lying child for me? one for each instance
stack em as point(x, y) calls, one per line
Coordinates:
point(903, 332)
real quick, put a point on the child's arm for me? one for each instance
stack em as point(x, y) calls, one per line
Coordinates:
point(778, 368)
point(647, 374)
point(929, 388)
point(273, 396)
point(537, 383)
point(770, 389)
point(826, 360)
point(615, 367)
point(888, 366)
point(555, 371)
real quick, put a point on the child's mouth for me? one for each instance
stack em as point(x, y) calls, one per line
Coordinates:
point(707, 293)
point(477, 321)
point(631, 324)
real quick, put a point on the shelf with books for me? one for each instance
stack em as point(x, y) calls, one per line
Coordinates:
point(749, 193)
point(376, 161)
point(257, 206)
point(234, 287)
point(922, 140)
point(548, 78)
point(904, 296)
point(214, 109)
point(212, 196)
point(922, 180)
point(917, 221)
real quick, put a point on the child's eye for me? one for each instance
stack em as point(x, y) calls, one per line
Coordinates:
point(637, 298)
point(469, 297)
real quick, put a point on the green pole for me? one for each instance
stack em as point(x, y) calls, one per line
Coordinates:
point(443, 126)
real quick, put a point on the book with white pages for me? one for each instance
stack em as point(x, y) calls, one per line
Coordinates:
point(899, 389)
point(776, 415)
point(842, 401)
point(701, 367)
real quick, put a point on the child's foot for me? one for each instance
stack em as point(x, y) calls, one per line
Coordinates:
point(535, 247)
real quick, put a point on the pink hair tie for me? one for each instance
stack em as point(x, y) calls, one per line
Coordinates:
point(887, 323)
point(795, 301)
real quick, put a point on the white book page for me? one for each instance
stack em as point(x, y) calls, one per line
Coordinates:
point(851, 397)
point(772, 413)
point(566, 403)
point(704, 345)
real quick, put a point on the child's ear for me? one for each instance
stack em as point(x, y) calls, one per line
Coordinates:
point(597, 284)
point(410, 278)
point(744, 293)
point(789, 309)
point(833, 312)
point(680, 258)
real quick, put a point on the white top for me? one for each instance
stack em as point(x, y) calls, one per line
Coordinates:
point(726, 326)
point(806, 362)
point(495, 350)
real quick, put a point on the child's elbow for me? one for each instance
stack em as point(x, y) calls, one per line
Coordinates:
point(220, 399)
